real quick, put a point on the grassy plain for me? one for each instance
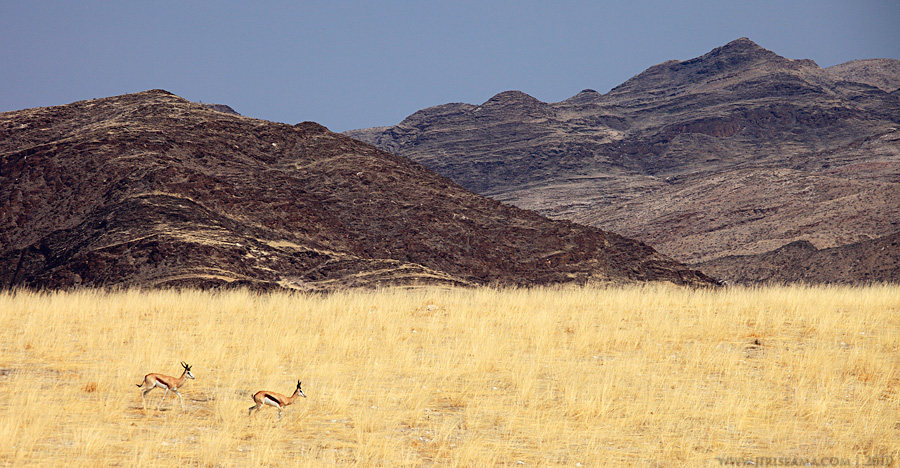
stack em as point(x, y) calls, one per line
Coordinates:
point(649, 376)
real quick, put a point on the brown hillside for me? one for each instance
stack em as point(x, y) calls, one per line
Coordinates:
point(736, 152)
point(148, 189)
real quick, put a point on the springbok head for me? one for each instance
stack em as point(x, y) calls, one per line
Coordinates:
point(187, 370)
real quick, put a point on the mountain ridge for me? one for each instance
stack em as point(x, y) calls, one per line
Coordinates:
point(736, 114)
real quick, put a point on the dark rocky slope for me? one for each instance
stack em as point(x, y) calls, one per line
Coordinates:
point(151, 190)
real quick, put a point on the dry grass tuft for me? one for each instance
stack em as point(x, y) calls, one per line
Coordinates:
point(650, 375)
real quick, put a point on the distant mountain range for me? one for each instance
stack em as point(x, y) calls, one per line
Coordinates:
point(719, 161)
point(150, 190)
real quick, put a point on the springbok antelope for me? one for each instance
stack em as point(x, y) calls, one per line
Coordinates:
point(275, 399)
point(152, 381)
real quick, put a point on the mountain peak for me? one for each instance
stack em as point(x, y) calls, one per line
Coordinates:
point(512, 98)
point(586, 96)
point(517, 103)
point(739, 52)
point(745, 44)
point(732, 62)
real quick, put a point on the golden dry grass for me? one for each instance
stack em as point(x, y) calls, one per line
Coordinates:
point(649, 376)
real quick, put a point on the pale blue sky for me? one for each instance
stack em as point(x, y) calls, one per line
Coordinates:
point(354, 64)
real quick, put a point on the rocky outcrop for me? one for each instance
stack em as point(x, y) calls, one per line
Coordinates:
point(864, 262)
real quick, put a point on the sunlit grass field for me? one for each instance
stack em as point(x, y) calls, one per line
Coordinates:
point(649, 376)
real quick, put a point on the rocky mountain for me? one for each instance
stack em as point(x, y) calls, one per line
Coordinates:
point(151, 190)
point(737, 152)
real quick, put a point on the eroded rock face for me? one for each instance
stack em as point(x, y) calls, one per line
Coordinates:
point(736, 152)
point(151, 190)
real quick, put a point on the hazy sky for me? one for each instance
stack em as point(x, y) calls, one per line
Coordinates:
point(355, 64)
